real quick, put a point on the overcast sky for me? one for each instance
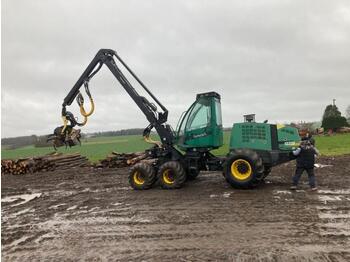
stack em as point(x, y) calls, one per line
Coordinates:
point(283, 60)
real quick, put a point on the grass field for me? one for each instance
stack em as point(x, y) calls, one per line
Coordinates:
point(333, 145)
point(93, 148)
point(97, 148)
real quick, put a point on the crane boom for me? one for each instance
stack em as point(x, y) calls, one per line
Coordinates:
point(155, 118)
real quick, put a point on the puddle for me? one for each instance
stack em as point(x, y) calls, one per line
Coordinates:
point(330, 198)
point(18, 241)
point(103, 189)
point(226, 195)
point(285, 192)
point(125, 188)
point(334, 192)
point(324, 208)
point(321, 166)
point(72, 207)
point(24, 198)
point(62, 184)
point(21, 212)
point(57, 206)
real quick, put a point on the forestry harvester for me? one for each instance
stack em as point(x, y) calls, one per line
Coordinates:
point(180, 155)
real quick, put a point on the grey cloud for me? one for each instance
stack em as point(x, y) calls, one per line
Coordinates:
point(284, 60)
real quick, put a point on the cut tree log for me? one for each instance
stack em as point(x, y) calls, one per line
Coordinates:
point(150, 161)
point(42, 163)
point(134, 160)
point(119, 160)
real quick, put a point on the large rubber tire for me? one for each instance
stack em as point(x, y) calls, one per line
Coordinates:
point(171, 175)
point(142, 176)
point(243, 168)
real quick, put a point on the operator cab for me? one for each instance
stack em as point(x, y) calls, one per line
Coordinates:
point(201, 125)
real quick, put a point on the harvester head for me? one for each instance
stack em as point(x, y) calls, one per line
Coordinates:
point(64, 136)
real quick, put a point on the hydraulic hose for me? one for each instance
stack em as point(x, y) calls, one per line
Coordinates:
point(146, 136)
point(151, 141)
point(65, 123)
point(80, 101)
point(80, 98)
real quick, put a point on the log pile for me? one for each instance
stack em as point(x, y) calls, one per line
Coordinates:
point(119, 160)
point(56, 161)
point(59, 161)
point(20, 166)
point(68, 161)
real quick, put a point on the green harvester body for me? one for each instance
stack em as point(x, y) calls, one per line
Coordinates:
point(262, 136)
point(200, 128)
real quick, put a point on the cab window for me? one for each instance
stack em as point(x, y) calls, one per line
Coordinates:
point(199, 116)
point(218, 112)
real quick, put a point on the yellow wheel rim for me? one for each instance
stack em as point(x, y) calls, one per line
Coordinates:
point(138, 178)
point(168, 177)
point(241, 169)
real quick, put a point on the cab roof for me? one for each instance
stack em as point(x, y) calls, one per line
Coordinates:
point(208, 94)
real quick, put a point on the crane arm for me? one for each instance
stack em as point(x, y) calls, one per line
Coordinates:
point(107, 57)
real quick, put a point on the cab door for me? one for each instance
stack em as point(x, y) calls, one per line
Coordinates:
point(201, 126)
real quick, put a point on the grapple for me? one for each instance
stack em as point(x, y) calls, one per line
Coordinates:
point(67, 135)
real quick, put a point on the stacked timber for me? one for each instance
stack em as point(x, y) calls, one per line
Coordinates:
point(55, 161)
point(59, 161)
point(20, 166)
point(68, 161)
point(119, 160)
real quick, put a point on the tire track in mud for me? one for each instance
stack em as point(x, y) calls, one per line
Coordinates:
point(335, 216)
point(332, 227)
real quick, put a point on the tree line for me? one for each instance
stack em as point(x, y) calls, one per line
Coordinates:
point(123, 132)
point(40, 141)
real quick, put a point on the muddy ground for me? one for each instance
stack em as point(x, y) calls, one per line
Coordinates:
point(93, 215)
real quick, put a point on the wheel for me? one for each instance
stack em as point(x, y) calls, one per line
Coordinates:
point(142, 176)
point(243, 168)
point(192, 174)
point(171, 175)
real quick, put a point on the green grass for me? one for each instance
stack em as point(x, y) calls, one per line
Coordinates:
point(97, 148)
point(93, 148)
point(333, 145)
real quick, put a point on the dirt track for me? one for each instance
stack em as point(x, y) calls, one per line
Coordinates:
point(95, 216)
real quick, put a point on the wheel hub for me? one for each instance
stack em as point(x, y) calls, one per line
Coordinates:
point(139, 179)
point(241, 169)
point(168, 176)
